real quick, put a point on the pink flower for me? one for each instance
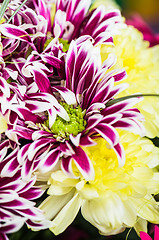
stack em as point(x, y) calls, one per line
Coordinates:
point(145, 236)
point(143, 27)
point(16, 205)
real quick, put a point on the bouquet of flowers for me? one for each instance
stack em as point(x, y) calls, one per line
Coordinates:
point(78, 112)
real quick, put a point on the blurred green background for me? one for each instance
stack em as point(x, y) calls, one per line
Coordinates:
point(148, 9)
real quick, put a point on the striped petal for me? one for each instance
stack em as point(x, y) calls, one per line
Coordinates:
point(50, 161)
point(83, 163)
point(108, 133)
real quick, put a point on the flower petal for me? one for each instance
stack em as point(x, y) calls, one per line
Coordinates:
point(66, 216)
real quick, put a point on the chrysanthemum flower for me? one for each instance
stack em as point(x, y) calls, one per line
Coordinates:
point(142, 67)
point(34, 24)
point(16, 205)
point(73, 19)
point(117, 198)
point(58, 134)
point(26, 31)
point(145, 236)
point(26, 45)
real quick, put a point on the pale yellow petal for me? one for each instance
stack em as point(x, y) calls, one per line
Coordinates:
point(3, 124)
point(142, 76)
point(58, 190)
point(52, 205)
point(130, 213)
point(66, 216)
point(60, 177)
point(147, 208)
point(141, 225)
point(86, 190)
point(106, 213)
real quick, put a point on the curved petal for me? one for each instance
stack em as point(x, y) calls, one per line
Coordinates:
point(49, 161)
point(66, 216)
point(83, 163)
point(108, 133)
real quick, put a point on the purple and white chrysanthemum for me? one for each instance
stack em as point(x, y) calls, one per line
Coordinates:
point(57, 135)
point(67, 19)
point(75, 19)
point(30, 44)
point(16, 205)
point(48, 65)
point(26, 31)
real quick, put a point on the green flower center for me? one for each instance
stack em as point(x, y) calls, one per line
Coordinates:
point(62, 128)
point(64, 43)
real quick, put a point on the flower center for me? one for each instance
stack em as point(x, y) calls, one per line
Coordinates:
point(62, 128)
point(65, 44)
point(132, 177)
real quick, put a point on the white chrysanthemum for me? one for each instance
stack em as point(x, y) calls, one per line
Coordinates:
point(142, 66)
point(117, 197)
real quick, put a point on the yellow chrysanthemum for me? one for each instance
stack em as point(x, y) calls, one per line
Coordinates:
point(117, 197)
point(142, 66)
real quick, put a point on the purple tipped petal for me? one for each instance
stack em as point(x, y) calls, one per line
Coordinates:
point(120, 76)
point(42, 81)
point(14, 32)
point(3, 236)
point(12, 226)
point(120, 154)
point(93, 121)
point(103, 38)
point(108, 133)
point(53, 61)
point(10, 168)
point(83, 163)
point(121, 106)
point(27, 169)
point(66, 165)
point(16, 204)
point(32, 194)
point(49, 162)
point(70, 59)
point(36, 146)
point(44, 224)
point(87, 141)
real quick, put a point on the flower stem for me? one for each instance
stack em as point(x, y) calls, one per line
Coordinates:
point(113, 101)
point(17, 11)
point(3, 8)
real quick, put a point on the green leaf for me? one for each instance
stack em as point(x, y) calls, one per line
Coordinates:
point(116, 100)
point(3, 8)
point(17, 11)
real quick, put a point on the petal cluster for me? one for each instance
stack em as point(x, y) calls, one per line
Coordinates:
point(117, 197)
point(16, 205)
point(87, 86)
point(142, 75)
point(63, 67)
